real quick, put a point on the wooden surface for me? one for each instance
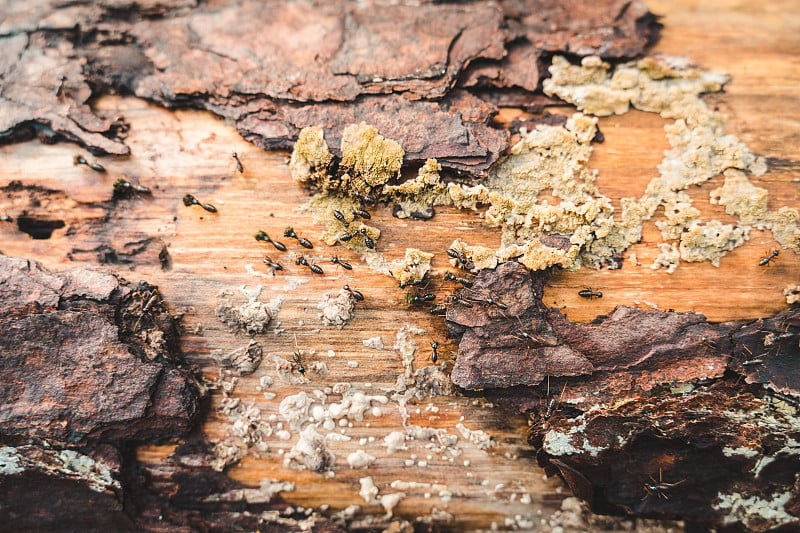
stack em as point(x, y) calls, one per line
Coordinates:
point(179, 152)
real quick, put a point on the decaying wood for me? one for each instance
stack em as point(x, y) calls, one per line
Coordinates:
point(275, 67)
point(635, 403)
point(182, 152)
point(86, 358)
point(90, 366)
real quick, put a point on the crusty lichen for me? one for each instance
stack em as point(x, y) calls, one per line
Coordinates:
point(659, 84)
point(311, 157)
point(412, 268)
point(792, 293)
point(548, 158)
point(336, 308)
point(478, 257)
point(416, 197)
point(368, 158)
point(97, 475)
point(252, 316)
point(554, 160)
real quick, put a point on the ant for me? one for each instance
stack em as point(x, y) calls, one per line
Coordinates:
point(553, 401)
point(434, 354)
point(60, 86)
point(270, 263)
point(263, 237)
point(589, 293)
point(354, 293)
point(424, 282)
point(489, 301)
point(439, 310)
point(343, 264)
point(313, 268)
point(239, 165)
point(459, 256)
point(418, 300)
point(449, 276)
point(305, 243)
point(80, 160)
point(365, 199)
point(338, 215)
point(659, 488)
point(125, 189)
point(190, 200)
point(459, 300)
point(769, 257)
point(296, 357)
point(152, 300)
point(344, 237)
point(361, 213)
point(300, 367)
point(368, 242)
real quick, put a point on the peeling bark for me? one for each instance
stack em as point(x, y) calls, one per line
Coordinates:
point(645, 412)
point(89, 367)
point(87, 358)
point(275, 67)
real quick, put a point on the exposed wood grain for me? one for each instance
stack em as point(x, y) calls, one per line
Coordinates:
point(177, 152)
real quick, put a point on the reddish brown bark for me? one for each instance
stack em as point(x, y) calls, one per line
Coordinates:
point(275, 67)
point(641, 411)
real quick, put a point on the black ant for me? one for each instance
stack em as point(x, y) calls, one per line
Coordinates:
point(300, 367)
point(424, 282)
point(125, 189)
point(769, 257)
point(305, 243)
point(434, 354)
point(239, 165)
point(190, 200)
point(449, 276)
point(270, 263)
point(80, 160)
point(589, 293)
point(263, 237)
point(344, 237)
point(60, 86)
point(313, 268)
point(338, 215)
point(368, 242)
point(152, 300)
point(296, 357)
point(361, 213)
point(418, 300)
point(488, 301)
point(365, 199)
point(459, 300)
point(343, 264)
point(354, 293)
point(550, 406)
point(659, 488)
point(457, 255)
point(553, 401)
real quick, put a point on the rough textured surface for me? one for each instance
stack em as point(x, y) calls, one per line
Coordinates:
point(275, 68)
point(89, 367)
point(85, 357)
point(61, 490)
point(647, 412)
